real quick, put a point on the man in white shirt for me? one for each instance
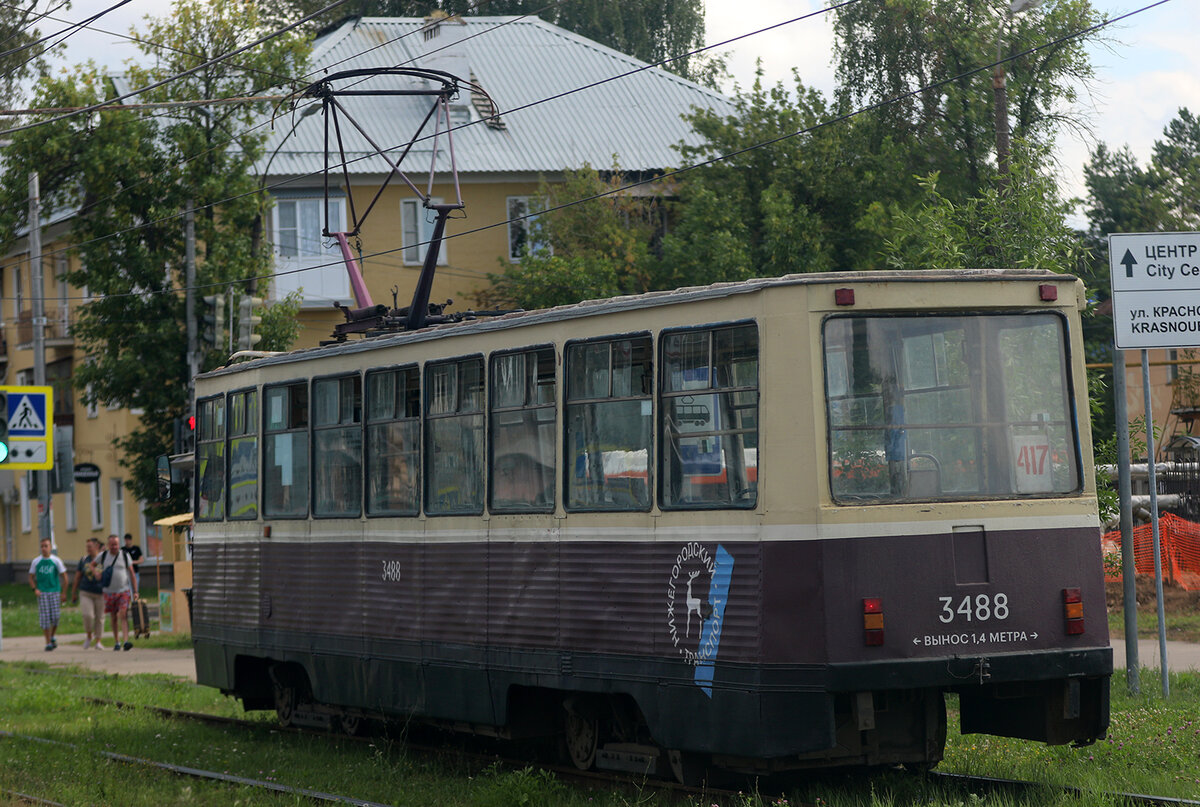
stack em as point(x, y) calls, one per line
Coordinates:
point(119, 592)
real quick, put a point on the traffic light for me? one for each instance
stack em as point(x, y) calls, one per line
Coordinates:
point(213, 332)
point(247, 319)
point(3, 426)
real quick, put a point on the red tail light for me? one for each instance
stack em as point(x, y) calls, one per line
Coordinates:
point(1073, 610)
point(873, 621)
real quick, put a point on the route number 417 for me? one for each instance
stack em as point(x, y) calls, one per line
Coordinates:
point(1033, 471)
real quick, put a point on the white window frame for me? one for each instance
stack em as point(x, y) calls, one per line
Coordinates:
point(516, 209)
point(116, 506)
point(26, 510)
point(72, 515)
point(416, 229)
point(97, 506)
point(320, 286)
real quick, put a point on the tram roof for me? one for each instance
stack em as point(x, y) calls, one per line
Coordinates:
point(632, 302)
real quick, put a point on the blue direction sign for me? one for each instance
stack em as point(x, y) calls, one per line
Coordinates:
point(1155, 289)
point(30, 428)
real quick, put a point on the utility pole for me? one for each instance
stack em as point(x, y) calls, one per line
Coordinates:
point(193, 348)
point(39, 338)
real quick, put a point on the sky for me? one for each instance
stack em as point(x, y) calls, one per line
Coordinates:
point(1149, 70)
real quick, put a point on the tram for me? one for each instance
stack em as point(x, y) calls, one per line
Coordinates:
point(761, 525)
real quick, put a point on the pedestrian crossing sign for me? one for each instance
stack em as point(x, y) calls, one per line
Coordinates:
point(30, 428)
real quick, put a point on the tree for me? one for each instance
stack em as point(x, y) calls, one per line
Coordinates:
point(650, 30)
point(128, 175)
point(773, 190)
point(1020, 224)
point(597, 248)
point(20, 52)
point(888, 52)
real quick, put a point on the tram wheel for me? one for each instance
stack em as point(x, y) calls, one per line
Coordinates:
point(687, 768)
point(352, 724)
point(583, 737)
point(287, 698)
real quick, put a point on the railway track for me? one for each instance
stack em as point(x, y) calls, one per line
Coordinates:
point(951, 781)
point(995, 784)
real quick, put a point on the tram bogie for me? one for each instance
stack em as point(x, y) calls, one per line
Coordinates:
point(761, 526)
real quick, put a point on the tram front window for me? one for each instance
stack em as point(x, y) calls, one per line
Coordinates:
point(949, 407)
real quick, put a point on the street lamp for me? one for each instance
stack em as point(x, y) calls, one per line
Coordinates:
point(999, 86)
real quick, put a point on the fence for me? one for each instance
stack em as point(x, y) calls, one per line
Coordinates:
point(1179, 548)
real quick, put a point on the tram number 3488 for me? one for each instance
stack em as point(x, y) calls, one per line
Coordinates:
point(980, 608)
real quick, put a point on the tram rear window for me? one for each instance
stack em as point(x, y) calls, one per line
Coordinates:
point(949, 407)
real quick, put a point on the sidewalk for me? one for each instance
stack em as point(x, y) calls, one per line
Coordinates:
point(1181, 656)
point(127, 662)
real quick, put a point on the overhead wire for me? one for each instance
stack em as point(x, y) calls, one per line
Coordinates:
point(311, 174)
point(18, 30)
point(68, 31)
point(711, 161)
point(182, 74)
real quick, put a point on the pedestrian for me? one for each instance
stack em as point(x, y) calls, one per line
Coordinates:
point(133, 551)
point(48, 579)
point(89, 593)
point(119, 591)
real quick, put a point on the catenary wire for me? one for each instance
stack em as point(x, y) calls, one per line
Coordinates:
point(68, 31)
point(268, 122)
point(711, 161)
point(265, 38)
point(18, 30)
point(312, 174)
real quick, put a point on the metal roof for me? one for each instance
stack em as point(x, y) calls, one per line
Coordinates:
point(519, 61)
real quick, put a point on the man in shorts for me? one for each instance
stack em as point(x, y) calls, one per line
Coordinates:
point(48, 579)
point(119, 591)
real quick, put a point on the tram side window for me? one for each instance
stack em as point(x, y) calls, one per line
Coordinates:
point(454, 455)
point(210, 459)
point(337, 446)
point(709, 405)
point(522, 432)
point(608, 424)
point(393, 442)
point(243, 454)
point(949, 407)
point(285, 475)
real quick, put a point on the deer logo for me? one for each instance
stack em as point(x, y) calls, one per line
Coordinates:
point(693, 603)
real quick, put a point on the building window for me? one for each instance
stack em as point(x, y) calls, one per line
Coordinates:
point(520, 228)
point(608, 422)
point(306, 259)
point(18, 291)
point(416, 227)
point(97, 506)
point(26, 511)
point(454, 437)
point(117, 506)
point(393, 442)
point(69, 506)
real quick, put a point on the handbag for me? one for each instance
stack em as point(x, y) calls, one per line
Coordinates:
point(107, 574)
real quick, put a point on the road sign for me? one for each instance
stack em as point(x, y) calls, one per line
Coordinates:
point(1155, 281)
point(30, 428)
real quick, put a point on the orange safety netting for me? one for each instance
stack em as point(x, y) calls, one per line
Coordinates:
point(1179, 548)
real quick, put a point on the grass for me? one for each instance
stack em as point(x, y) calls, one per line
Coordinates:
point(19, 612)
point(1180, 626)
point(1153, 747)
